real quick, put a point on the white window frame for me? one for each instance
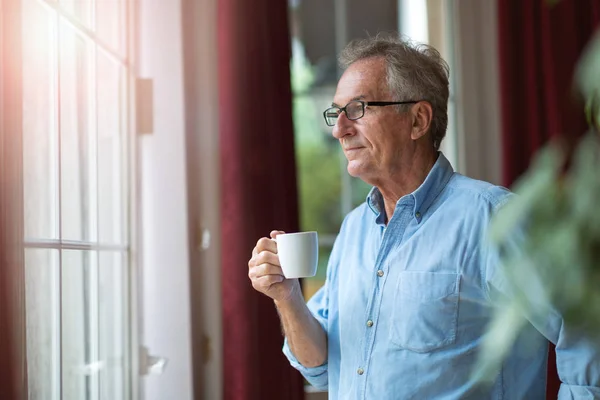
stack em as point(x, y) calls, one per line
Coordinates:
point(129, 319)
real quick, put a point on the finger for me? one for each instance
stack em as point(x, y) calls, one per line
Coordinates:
point(264, 269)
point(252, 262)
point(275, 233)
point(264, 257)
point(266, 281)
point(266, 244)
point(267, 257)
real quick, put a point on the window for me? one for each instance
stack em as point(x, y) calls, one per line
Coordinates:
point(76, 168)
point(319, 31)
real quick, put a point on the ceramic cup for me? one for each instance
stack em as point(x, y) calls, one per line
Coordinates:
point(298, 254)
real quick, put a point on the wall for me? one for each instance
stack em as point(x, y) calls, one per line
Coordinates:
point(477, 89)
point(164, 286)
point(203, 161)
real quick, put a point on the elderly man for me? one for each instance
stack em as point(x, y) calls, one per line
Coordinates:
point(410, 281)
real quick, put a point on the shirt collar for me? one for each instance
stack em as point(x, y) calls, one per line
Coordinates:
point(425, 194)
point(375, 203)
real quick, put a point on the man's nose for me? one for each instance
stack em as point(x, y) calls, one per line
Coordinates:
point(341, 127)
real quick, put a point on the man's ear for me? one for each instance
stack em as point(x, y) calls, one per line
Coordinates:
point(422, 113)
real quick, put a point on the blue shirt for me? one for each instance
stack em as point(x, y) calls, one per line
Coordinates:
point(405, 305)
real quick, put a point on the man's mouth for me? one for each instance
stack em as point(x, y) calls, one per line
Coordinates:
point(353, 148)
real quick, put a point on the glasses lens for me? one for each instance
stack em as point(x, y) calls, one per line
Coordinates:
point(331, 115)
point(355, 110)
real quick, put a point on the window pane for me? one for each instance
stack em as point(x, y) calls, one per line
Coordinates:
point(80, 10)
point(413, 20)
point(111, 23)
point(78, 151)
point(360, 190)
point(113, 327)
point(40, 139)
point(316, 150)
point(450, 143)
point(80, 361)
point(311, 285)
point(111, 146)
point(319, 193)
point(43, 317)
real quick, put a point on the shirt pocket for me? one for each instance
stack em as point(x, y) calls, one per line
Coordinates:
point(425, 312)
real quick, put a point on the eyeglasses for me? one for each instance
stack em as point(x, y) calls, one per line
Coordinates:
point(356, 109)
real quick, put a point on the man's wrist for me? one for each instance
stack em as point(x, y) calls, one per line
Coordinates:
point(295, 297)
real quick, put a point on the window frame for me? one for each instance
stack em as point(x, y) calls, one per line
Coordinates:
point(128, 156)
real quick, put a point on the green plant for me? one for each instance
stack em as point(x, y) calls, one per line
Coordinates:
point(550, 234)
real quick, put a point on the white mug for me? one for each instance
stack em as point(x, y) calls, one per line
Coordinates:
point(298, 254)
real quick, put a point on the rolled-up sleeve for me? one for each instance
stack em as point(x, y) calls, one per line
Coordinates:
point(577, 363)
point(573, 392)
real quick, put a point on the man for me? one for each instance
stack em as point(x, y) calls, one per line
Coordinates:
point(410, 280)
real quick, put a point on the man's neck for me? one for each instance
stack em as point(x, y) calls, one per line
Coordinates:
point(407, 179)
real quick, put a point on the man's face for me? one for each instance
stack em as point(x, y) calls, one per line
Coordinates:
point(373, 144)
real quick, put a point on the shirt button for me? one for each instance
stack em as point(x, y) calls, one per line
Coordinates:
point(360, 371)
point(369, 323)
point(380, 273)
point(418, 215)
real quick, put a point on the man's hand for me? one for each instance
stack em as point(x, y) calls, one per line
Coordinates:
point(264, 270)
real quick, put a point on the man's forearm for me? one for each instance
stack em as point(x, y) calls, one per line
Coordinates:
point(305, 336)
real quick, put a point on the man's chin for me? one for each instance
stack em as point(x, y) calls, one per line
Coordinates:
point(354, 169)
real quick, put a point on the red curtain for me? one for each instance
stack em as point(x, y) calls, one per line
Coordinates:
point(540, 44)
point(13, 367)
point(258, 189)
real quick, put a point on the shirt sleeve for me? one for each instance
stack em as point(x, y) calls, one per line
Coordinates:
point(316, 376)
point(577, 355)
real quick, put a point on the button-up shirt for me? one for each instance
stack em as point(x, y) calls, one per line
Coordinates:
point(406, 304)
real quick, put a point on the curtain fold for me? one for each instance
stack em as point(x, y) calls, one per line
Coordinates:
point(539, 45)
point(258, 181)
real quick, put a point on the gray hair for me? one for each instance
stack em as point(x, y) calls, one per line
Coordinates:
point(414, 72)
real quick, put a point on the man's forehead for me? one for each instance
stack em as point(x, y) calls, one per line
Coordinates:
point(363, 80)
point(371, 69)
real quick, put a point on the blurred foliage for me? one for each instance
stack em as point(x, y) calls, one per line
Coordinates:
point(549, 235)
point(588, 81)
point(360, 190)
point(319, 182)
point(302, 76)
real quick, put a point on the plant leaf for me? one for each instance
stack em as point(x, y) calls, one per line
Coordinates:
point(587, 77)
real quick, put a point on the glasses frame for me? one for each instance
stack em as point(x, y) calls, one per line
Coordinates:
point(364, 106)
